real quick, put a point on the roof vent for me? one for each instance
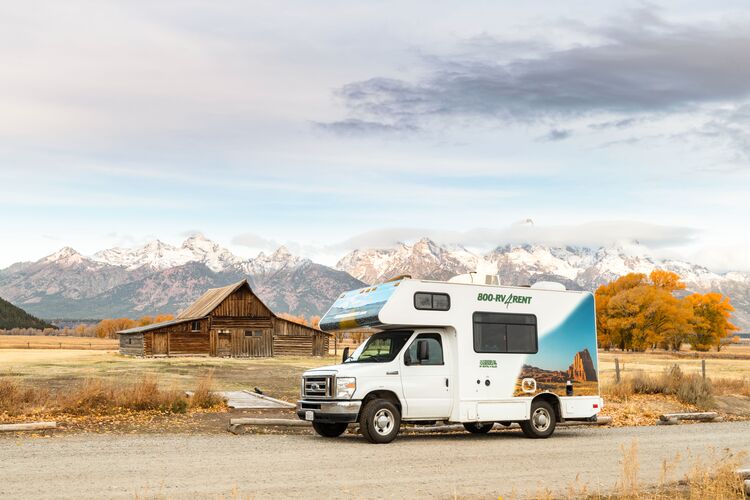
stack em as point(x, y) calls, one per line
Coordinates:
point(549, 285)
point(476, 278)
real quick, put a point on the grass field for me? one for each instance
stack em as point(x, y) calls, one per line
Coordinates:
point(656, 362)
point(56, 369)
point(50, 342)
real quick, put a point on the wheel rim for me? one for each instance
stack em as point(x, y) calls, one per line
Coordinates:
point(541, 420)
point(383, 421)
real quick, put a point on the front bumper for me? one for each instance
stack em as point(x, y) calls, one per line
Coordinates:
point(330, 412)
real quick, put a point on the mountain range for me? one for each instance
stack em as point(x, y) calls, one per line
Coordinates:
point(161, 278)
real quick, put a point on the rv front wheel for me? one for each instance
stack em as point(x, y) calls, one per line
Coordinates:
point(478, 427)
point(329, 430)
point(380, 421)
point(542, 421)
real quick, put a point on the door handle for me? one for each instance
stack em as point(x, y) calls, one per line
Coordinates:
point(392, 373)
point(446, 382)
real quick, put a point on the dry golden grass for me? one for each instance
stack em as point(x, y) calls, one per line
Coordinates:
point(50, 342)
point(102, 397)
point(652, 363)
point(713, 478)
point(57, 369)
point(690, 389)
point(204, 397)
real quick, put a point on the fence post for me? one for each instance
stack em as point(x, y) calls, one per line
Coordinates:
point(335, 345)
point(28, 345)
point(617, 370)
point(703, 368)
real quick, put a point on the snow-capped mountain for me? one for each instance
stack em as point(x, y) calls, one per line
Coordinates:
point(163, 278)
point(160, 278)
point(158, 255)
point(577, 268)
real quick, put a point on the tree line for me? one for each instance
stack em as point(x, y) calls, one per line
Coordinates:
point(638, 312)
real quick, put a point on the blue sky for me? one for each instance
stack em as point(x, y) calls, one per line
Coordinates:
point(330, 125)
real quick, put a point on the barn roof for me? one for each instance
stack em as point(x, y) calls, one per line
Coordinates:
point(154, 326)
point(210, 301)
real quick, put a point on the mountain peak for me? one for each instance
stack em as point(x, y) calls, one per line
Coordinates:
point(65, 256)
point(282, 253)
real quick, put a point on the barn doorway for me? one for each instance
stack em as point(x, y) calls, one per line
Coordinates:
point(161, 344)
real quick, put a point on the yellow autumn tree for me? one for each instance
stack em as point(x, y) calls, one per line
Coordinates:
point(711, 320)
point(635, 312)
point(108, 328)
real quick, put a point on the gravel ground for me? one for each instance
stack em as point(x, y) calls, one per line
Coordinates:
point(304, 465)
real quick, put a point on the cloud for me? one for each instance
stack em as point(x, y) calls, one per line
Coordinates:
point(353, 126)
point(556, 135)
point(255, 241)
point(591, 234)
point(639, 64)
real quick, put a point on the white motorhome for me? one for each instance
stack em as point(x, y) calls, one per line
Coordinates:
point(458, 351)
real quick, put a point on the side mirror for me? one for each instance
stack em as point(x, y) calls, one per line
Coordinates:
point(423, 351)
point(345, 355)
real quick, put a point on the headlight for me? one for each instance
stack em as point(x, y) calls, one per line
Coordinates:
point(345, 387)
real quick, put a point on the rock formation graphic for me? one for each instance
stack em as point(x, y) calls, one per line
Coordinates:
point(582, 369)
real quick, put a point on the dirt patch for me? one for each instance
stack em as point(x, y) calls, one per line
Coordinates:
point(737, 406)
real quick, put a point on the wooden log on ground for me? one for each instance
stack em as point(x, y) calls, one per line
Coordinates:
point(30, 426)
point(669, 421)
point(747, 488)
point(744, 473)
point(288, 422)
point(707, 415)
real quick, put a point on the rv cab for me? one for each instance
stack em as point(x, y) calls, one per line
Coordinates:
point(457, 352)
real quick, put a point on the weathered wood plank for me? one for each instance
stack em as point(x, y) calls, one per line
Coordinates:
point(744, 473)
point(287, 422)
point(708, 415)
point(29, 426)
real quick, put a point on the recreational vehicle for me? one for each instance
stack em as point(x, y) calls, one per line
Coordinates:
point(458, 351)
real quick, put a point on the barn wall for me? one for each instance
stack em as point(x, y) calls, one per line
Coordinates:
point(132, 344)
point(242, 304)
point(294, 339)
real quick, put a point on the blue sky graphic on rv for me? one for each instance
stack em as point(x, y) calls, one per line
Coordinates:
point(358, 308)
point(576, 333)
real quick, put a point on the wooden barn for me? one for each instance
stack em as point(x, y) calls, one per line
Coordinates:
point(230, 322)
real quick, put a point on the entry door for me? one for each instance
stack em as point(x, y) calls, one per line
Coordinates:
point(426, 383)
point(160, 343)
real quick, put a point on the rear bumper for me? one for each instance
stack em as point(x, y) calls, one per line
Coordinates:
point(330, 412)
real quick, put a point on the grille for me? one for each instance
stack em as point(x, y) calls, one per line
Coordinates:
point(318, 386)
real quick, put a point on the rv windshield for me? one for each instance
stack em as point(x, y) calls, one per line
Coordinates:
point(380, 348)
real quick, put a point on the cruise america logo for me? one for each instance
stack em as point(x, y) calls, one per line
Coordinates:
point(504, 299)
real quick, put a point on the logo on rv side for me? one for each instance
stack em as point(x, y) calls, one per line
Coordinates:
point(504, 299)
point(487, 363)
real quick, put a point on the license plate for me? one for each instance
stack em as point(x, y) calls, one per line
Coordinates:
point(309, 415)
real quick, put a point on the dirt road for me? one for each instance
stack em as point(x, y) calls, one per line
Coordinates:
point(260, 466)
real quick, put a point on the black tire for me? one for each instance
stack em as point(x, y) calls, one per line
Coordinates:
point(505, 424)
point(479, 427)
point(329, 430)
point(542, 423)
point(380, 421)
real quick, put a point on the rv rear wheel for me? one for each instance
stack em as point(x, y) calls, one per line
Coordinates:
point(380, 421)
point(329, 430)
point(478, 427)
point(542, 421)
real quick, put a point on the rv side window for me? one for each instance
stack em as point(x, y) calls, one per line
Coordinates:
point(434, 350)
point(425, 301)
point(505, 333)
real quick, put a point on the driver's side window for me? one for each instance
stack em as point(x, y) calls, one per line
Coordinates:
point(431, 350)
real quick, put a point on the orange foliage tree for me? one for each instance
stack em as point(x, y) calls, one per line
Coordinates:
point(637, 312)
point(711, 315)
